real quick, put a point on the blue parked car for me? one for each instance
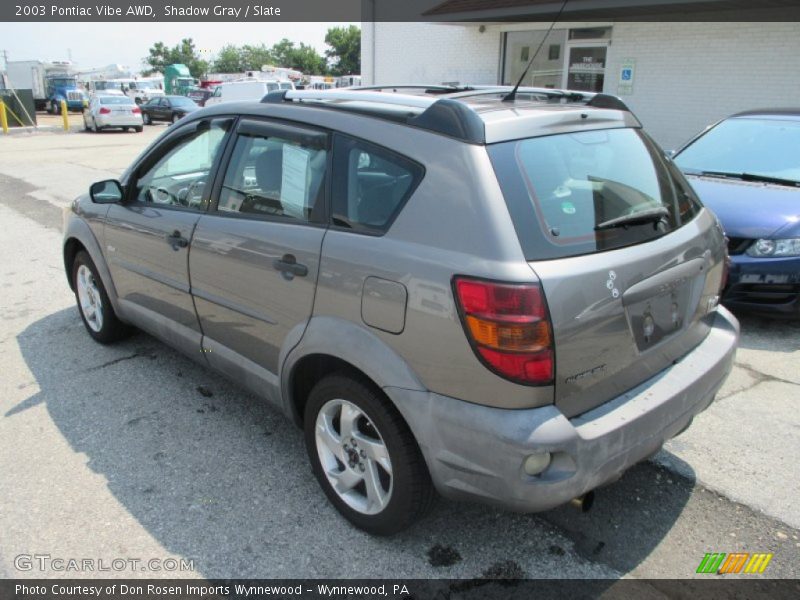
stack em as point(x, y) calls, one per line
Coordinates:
point(746, 169)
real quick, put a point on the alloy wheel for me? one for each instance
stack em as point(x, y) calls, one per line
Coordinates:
point(354, 457)
point(90, 299)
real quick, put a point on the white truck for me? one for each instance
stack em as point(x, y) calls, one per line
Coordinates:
point(50, 82)
point(247, 89)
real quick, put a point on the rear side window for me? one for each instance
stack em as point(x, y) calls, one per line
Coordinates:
point(370, 184)
point(590, 191)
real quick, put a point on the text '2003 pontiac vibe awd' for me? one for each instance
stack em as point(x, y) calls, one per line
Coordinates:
point(504, 300)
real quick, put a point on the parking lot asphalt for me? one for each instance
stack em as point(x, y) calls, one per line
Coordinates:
point(133, 451)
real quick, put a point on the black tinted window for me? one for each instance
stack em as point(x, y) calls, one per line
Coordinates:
point(370, 184)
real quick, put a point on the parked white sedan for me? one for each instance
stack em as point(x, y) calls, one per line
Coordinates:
point(106, 111)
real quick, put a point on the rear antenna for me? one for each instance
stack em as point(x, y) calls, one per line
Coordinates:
point(511, 96)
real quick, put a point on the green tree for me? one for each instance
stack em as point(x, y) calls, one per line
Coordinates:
point(254, 57)
point(306, 59)
point(303, 57)
point(229, 60)
point(185, 53)
point(345, 52)
point(282, 53)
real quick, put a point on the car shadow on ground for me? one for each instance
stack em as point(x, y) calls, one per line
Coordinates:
point(775, 334)
point(216, 476)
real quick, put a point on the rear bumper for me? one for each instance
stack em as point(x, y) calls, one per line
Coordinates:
point(476, 452)
point(120, 121)
point(765, 285)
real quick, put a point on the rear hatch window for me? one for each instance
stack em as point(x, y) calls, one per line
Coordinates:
point(589, 191)
point(608, 224)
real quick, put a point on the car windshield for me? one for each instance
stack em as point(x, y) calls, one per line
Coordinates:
point(590, 191)
point(115, 100)
point(182, 102)
point(766, 147)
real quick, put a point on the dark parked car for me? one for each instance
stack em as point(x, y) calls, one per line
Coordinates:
point(167, 108)
point(509, 301)
point(746, 168)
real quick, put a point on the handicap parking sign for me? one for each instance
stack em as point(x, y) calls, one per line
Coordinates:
point(627, 74)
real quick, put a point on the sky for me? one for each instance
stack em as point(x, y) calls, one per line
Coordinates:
point(100, 44)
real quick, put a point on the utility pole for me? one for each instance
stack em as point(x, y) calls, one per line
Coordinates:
point(5, 59)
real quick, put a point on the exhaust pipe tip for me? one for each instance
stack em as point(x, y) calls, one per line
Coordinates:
point(583, 503)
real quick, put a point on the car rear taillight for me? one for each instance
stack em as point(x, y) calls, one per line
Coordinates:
point(509, 328)
point(136, 110)
point(105, 110)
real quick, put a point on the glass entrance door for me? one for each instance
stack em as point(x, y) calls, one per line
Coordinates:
point(586, 65)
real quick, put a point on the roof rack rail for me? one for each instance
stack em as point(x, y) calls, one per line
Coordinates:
point(340, 95)
point(441, 115)
point(429, 89)
point(594, 99)
point(502, 89)
point(447, 116)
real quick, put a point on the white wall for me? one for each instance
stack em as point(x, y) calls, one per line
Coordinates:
point(430, 53)
point(689, 75)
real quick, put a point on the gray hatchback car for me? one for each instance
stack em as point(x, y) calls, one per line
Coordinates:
point(508, 301)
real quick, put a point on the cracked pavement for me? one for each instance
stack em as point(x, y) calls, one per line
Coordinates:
point(132, 450)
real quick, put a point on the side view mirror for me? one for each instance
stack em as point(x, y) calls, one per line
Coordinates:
point(106, 192)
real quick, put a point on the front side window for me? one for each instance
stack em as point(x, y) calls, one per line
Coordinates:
point(180, 177)
point(370, 184)
point(272, 176)
point(589, 191)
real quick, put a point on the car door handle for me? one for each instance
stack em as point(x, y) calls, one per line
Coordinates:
point(289, 266)
point(176, 240)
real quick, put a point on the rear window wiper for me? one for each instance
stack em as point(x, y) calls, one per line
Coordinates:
point(652, 215)
point(749, 177)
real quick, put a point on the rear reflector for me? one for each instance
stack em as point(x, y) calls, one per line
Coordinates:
point(104, 110)
point(509, 328)
point(136, 110)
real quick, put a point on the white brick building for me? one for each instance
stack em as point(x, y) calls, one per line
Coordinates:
point(683, 74)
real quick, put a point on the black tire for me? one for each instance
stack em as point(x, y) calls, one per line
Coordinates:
point(146, 118)
point(125, 129)
point(112, 328)
point(138, 129)
point(412, 492)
